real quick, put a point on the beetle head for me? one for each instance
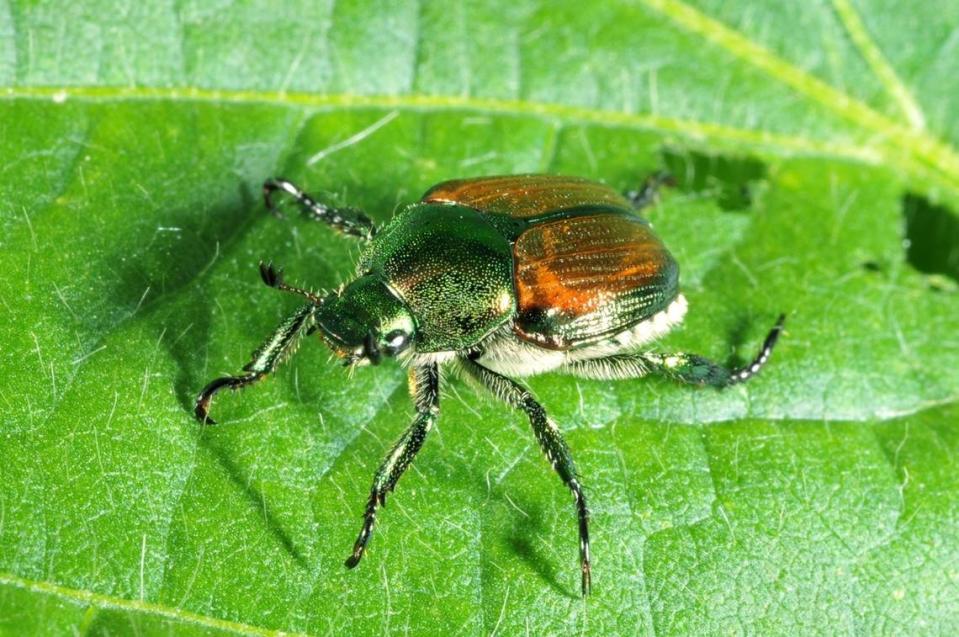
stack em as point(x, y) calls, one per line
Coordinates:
point(366, 321)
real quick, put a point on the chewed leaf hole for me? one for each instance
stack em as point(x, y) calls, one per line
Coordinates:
point(931, 237)
point(730, 180)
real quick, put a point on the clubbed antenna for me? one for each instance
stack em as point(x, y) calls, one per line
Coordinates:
point(274, 278)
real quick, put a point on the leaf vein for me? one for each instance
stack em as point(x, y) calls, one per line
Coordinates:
point(879, 64)
point(695, 130)
point(101, 600)
point(922, 145)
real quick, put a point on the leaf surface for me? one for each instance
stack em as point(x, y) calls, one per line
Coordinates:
point(817, 153)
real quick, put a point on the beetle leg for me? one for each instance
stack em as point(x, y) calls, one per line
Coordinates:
point(425, 391)
point(649, 193)
point(550, 440)
point(686, 368)
point(266, 358)
point(347, 220)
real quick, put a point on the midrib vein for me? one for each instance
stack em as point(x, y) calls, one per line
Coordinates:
point(694, 130)
point(100, 600)
point(878, 63)
point(913, 150)
point(545, 110)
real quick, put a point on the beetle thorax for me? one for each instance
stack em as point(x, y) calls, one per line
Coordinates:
point(451, 268)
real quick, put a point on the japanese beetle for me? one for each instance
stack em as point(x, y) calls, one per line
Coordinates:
point(495, 277)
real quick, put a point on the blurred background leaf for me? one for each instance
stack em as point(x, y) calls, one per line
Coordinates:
point(815, 146)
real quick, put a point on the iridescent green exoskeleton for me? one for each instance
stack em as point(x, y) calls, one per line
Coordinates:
point(495, 278)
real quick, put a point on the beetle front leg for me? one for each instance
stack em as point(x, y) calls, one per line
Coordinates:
point(425, 391)
point(265, 359)
point(687, 368)
point(550, 440)
point(347, 220)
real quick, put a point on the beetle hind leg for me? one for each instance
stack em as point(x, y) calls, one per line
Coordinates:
point(550, 440)
point(266, 358)
point(349, 221)
point(681, 366)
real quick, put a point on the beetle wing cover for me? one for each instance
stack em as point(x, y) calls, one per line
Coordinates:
point(525, 196)
point(582, 278)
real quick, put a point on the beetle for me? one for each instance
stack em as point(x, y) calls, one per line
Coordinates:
point(496, 278)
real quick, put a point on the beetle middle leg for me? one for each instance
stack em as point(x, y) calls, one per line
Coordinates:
point(425, 391)
point(648, 194)
point(347, 220)
point(681, 366)
point(265, 359)
point(550, 440)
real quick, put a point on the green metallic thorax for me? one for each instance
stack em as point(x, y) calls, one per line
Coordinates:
point(451, 267)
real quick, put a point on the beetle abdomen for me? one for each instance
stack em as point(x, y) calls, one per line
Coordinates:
point(581, 278)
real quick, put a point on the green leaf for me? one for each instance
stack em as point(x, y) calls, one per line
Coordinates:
point(817, 151)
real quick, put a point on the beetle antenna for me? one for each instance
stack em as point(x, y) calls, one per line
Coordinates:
point(274, 278)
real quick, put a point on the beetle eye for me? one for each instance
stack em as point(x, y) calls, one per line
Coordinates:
point(396, 341)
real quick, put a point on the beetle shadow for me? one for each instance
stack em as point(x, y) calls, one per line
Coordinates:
point(730, 180)
point(255, 499)
point(738, 333)
point(527, 523)
point(182, 251)
point(191, 330)
point(166, 278)
point(222, 227)
point(163, 277)
point(931, 239)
